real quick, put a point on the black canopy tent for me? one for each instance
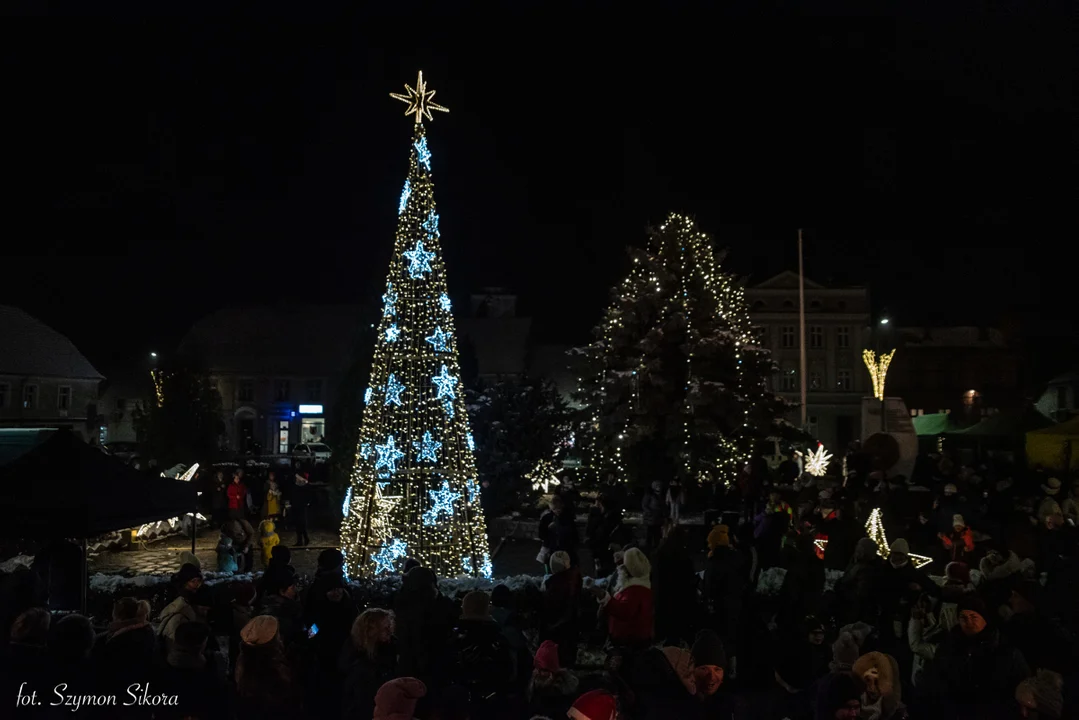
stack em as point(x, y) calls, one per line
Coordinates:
point(65, 488)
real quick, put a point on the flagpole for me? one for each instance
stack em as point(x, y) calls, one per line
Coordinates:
point(802, 327)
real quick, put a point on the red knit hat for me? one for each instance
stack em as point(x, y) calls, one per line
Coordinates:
point(547, 657)
point(594, 705)
point(396, 699)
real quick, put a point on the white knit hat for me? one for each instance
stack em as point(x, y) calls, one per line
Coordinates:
point(636, 563)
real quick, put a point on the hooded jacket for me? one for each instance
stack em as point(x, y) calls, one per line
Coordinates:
point(887, 699)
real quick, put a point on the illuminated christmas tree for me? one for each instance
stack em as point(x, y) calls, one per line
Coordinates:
point(413, 488)
point(676, 384)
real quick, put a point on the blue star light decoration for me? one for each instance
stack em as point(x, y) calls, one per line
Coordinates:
point(444, 302)
point(419, 260)
point(442, 502)
point(445, 383)
point(394, 388)
point(365, 450)
point(485, 567)
point(367, 396)
point(439, 339)
point(347, 502)
point(427, 448)
point(404, 197)
point(447, 407)
point(423, 154)
point(386, 559)
point(473, 491)
point(392, 333)
point(389, 300)
point(388, 455)
point(431, 224)
point(471, 442)
point(466, 564)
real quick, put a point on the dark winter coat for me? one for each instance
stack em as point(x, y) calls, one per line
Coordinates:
point(674, 590)
point(561, 611)
point(842, 536)
point(553, 696)
point(561, 534)
point(363, 676)
point(725, 579)
point(482, 659)
point(893, 585)
point(654, 510)
point(289, 614)
point(124, 654)
point(334, 618)
point(973, 675)
point(201, 693)
point(660, 693)
point(425, 622)
point(857, 590)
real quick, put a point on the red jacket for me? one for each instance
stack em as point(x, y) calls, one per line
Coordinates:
point(629, 615)
point(958, 544)
point(237, 493)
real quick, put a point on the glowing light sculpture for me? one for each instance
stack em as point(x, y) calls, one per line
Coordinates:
point(817, 461)
point(878, 369)
point(414, 458)
point(874, 528)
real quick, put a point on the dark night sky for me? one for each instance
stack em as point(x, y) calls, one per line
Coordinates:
point(157, 170)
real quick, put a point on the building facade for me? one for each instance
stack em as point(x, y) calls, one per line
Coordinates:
point(970, 372)
point(279, 369)
point(496, 341)
point(836, 332)
point(1060, 399)
point(45, 382)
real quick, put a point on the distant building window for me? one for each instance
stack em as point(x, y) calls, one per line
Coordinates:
point(314, 390)
point(63, 398)
point(816, 380)
point(816, 337)
point(29, 396)
point(121, 403)
point(842, 338)
point(788, 336)
point(790, 379)
point(283, 390)
point(842, 304)
point(758, 304)
point(246, 391)
point(811, 425)
point(788, 304)
point(760, 336)
point(5, 390)
point(842, 379)
point(814, 304)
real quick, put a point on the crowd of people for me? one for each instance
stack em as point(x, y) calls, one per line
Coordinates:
point(857, 629)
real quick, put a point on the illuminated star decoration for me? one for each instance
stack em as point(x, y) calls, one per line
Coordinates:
point(420, 100)
point(473, 491)
point(470, 441)
point(390, 300)
point(466, 564)
point(439, 339)
point(380, 520)
point(542, 476)
point(367, 395)
point(875, 530)
point(431, 224)
point(445, 383)
point(419, 260)
point(365, 450)
point(427, 448)
point(442, 502)
point(817, 461)
point(386, 558)
point(347, 502)
point(447, 406)
point(485, 567)
point(394, 388)
point(444, 302)
point(404, 197)
point(392, 333)
point(388, 455)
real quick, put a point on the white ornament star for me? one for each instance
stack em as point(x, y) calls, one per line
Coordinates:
point(420, 100)
point(442, 502)
point(394, 388)
point(444, 302)
point(431, 223)
point(386, 558)
point(817, 461)
point(392, 333)
point(388, 455)
point(427, 448)
point(439, 339)
point(445, 383)
point(419, 260)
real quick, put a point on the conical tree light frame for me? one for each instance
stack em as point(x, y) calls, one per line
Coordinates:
point(413, 489)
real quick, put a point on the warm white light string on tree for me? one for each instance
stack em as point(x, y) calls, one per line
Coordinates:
point(413, 486)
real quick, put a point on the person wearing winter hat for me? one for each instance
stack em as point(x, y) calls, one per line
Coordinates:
point(950, 489)
point(882, 697)
point(183, 609)
point(396, 700)
point(560, 618)
point(594, 705)
point(629, 611)
point(1041, 695)
point(845, 651)
point(710, 662)
point(839, 697)
point(719, 536)
point(551, 689)
point(265, 685)
point(1051, 487)
point(959, 543)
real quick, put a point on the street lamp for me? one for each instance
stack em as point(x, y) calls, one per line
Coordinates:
point(884, 321)
point(153, 354)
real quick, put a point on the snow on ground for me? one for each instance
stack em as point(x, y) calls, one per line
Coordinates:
point(9, 566)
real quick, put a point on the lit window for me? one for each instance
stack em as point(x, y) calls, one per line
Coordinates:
point(842, 337)
point(816, 380)
point(788, 336)
point(283, 389)
point(842, 379)
point(790, 379)
point(29, 396)
point(63, 398)
point(816, 337)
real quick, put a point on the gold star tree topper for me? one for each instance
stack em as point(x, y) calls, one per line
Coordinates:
point(419, 100)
